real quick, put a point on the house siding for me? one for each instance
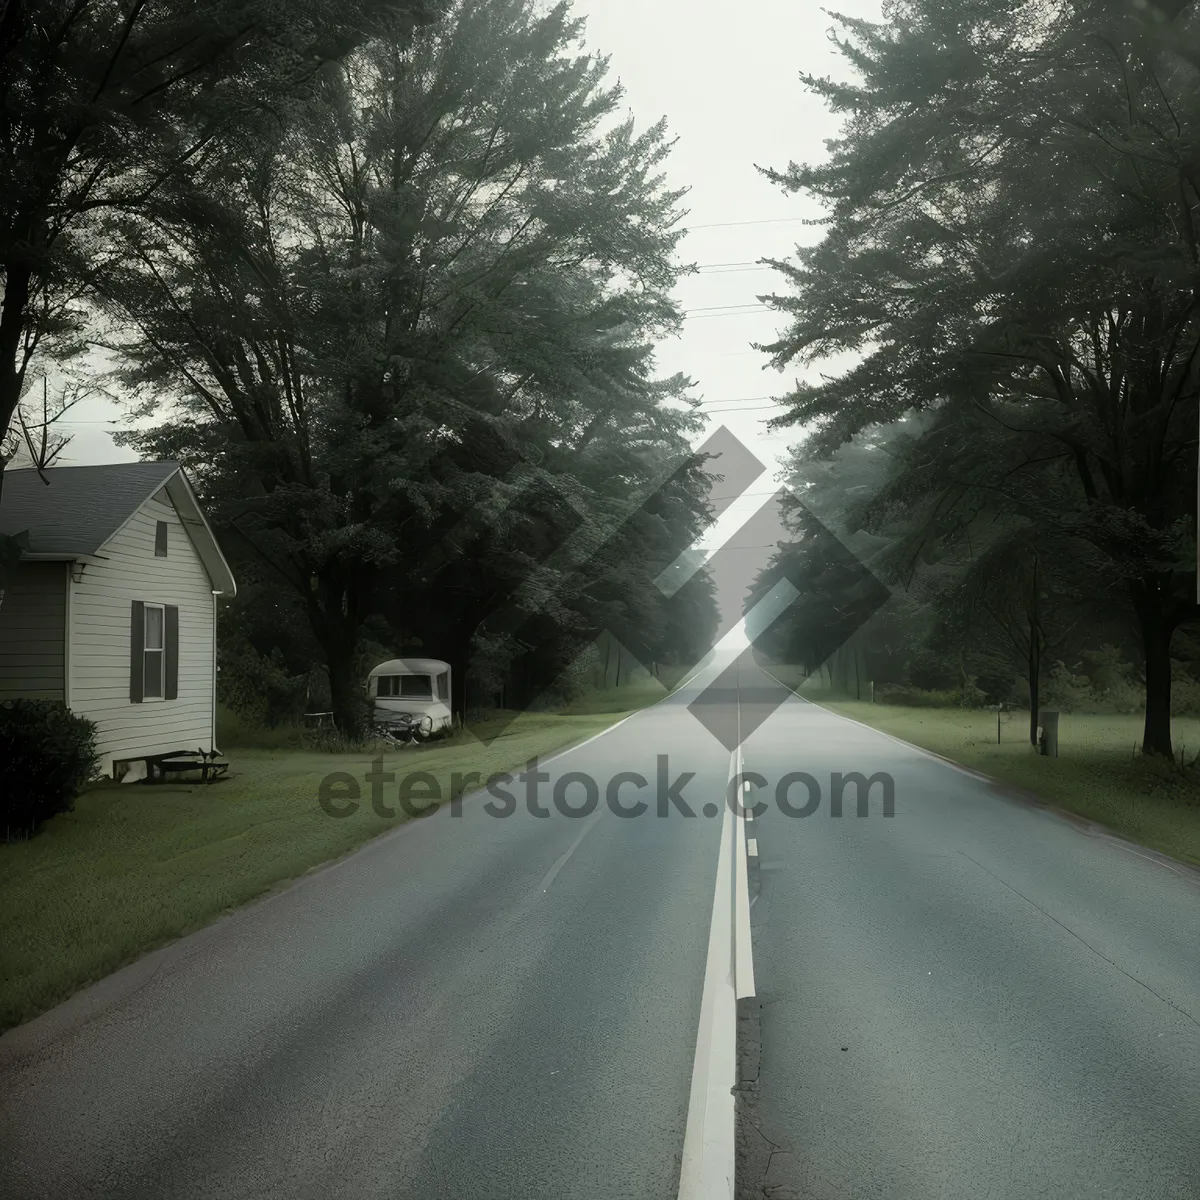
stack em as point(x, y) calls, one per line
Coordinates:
point(100, 631)
point(33, 624)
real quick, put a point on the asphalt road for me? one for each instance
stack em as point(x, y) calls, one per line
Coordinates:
point(508, 1008)
point(971, 998)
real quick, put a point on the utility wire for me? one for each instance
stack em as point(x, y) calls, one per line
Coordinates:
point(722, 307)
point(708, 412)
point(767, 221)
point(745, 312)
point(735, 400)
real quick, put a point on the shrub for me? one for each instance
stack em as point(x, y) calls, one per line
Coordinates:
point(1185, 693)
point(1066, 691)
point(259, 687)
point(49, 754)
point(237, 731)
point(916, 697)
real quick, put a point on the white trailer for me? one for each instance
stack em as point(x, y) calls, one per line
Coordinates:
point(411, 693)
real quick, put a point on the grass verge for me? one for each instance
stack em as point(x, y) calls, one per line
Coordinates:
point(136, 866)
point(1098, 774)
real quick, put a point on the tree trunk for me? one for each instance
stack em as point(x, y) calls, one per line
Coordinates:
point(17, 279)
point(459, 659)
point(1156, 649)
point(336, 628)
point(1034, 669)
point(345, 694)
point(1035, 656)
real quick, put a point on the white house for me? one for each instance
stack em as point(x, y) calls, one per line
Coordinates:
point(113, 608)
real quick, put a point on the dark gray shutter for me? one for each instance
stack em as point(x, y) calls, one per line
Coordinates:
point(171, 650)
point(160, 540)
point(137, 648)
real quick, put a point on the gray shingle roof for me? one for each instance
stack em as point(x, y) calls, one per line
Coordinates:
point(81, 508)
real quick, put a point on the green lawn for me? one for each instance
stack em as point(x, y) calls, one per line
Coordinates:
point(1098, 774)
point(136, 865)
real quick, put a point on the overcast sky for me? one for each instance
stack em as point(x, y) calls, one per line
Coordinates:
point(727, 79)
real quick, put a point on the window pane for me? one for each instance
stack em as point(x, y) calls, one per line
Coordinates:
point(154, 628)
point(416, 687)
point(444, 685)
point(152, 684)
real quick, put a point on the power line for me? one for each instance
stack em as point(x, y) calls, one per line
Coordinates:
point(745, 312)
point(716, 307)
point(735, 269)
point(730, 224)
point(708, 412)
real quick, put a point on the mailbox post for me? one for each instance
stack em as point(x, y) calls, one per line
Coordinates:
point(1048, 743)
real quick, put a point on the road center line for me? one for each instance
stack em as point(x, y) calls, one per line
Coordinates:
point(707, 1170)
point(743, 954)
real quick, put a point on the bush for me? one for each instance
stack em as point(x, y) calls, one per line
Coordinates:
point(1185, 693)
point(49, 754)
point(259, 687)
point(916, 697)
point(237, 731)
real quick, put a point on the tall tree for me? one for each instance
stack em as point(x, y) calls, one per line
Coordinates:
point(1014, 227)
point(102, 103)
point(411, 330)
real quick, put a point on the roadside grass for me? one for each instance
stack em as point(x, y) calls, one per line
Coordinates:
point(1099, 773)
point(135, 866)
point(620, 699)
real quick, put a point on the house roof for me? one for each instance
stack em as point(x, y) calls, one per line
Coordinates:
point(79, 509)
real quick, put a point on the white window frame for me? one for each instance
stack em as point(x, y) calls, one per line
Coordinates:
point(398, 693)
point(160, 650)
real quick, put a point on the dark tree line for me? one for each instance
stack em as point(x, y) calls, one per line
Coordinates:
point(103, 104)
point(403, 323)
point(1013, 251)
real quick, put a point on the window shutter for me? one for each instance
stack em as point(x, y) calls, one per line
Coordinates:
point(160, 540)
point(171, 647)
point(137, 647)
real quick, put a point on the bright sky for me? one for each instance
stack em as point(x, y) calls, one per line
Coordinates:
point(726, 78)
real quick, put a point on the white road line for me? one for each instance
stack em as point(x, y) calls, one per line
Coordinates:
point(1093, 829)
point(743, 972)
point(891, 737)
point(706, 1172)
point(551, 874)
point(752, 847)
point(604, 732)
